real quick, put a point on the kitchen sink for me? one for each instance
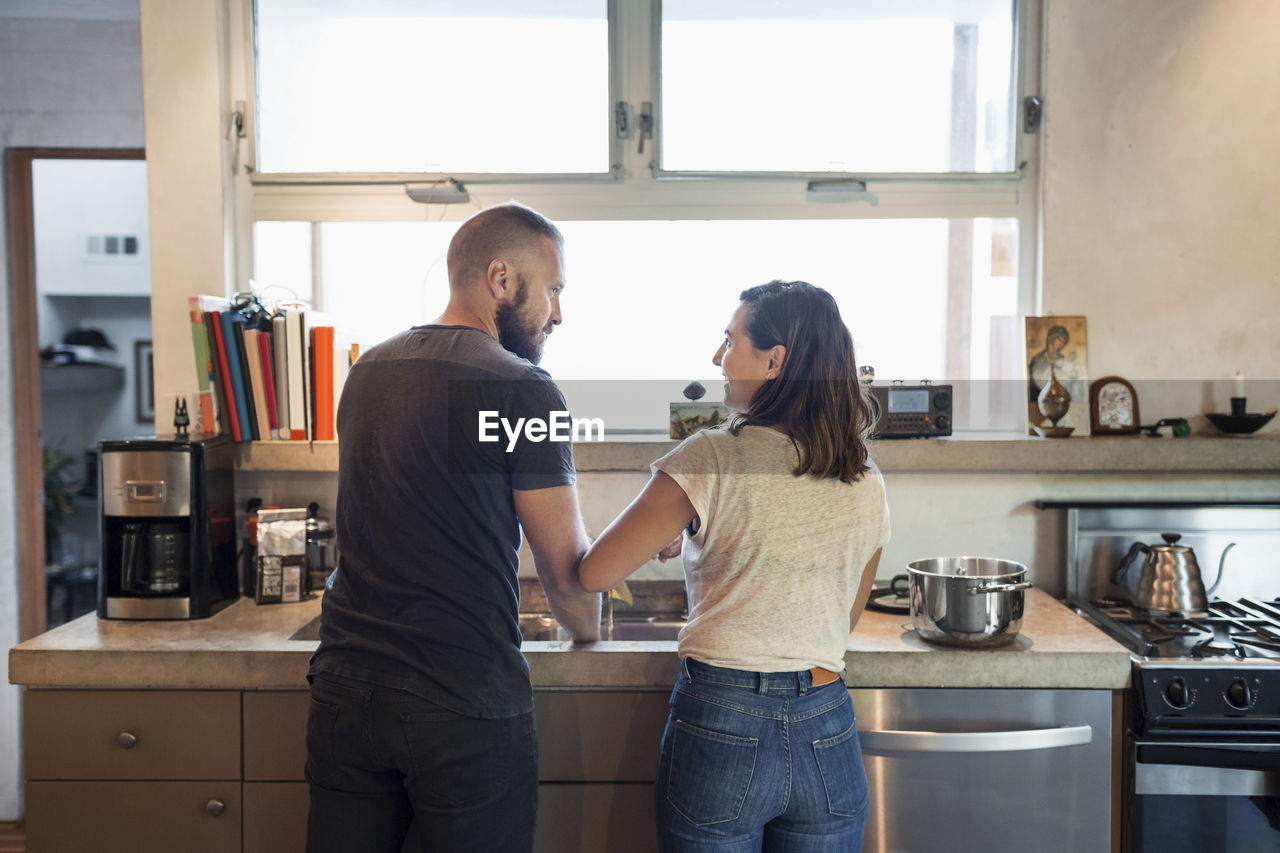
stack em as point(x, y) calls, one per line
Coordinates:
point(309, 631)
point(535, 626)
point(544, 627)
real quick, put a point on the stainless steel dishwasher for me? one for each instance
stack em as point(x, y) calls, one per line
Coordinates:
point(976, 769)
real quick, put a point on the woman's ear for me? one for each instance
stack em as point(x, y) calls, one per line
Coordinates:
point(777, 356)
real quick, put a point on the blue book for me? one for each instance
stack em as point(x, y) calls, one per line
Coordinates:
point(235, 369)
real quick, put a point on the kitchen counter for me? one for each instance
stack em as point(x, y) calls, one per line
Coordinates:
point(247, 646)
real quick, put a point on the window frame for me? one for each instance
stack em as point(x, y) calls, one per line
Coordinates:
point(636, 188)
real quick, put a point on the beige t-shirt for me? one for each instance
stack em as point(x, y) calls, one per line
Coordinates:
point(775, 565)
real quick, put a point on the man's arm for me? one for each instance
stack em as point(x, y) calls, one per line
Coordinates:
point(552, 523)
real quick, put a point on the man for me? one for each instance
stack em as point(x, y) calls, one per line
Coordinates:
point(421, 721)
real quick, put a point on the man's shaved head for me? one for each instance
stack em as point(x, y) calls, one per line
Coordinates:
point(502, 231)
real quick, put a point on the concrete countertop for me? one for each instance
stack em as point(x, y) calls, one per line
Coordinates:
point(246, 646)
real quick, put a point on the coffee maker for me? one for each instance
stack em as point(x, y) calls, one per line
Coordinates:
point(166, 528)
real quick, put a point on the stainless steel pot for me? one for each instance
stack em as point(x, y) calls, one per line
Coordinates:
point(967, 601)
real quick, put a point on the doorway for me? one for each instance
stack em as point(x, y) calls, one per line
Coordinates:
point(62, 339)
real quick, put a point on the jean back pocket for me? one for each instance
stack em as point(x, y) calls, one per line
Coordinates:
point(711, 773)
point(839, 761)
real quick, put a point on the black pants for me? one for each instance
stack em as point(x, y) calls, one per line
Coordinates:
point(391, 771)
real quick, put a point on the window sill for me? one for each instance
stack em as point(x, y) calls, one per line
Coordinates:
point(978, 453)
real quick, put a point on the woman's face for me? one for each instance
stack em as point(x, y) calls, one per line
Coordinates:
point(745, 368)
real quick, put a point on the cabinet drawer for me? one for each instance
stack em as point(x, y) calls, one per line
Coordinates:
point(125, 817)
point(86, 734)
point(586, 736)
point(275, 735)
point(275, 817)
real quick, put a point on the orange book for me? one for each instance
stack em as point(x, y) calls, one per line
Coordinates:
point(322, 376)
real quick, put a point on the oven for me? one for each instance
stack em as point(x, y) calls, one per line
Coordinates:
point(1197, 795)
point(1201, 733)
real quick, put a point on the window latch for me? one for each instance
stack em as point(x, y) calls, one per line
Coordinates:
point(646, 124)
point(621, 130)
point(1032, 113)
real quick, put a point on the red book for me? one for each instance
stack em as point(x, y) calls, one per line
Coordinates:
point(218, 382)
point(269, 383)
point(322, 371)
point(226, 373)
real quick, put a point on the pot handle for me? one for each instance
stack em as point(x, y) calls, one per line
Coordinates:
point(999, 587)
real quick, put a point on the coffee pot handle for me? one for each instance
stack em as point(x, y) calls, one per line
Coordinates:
point(1222, 561)
point(131, 552)
point(1128, 558)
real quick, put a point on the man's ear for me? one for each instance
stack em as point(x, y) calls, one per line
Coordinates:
point(498, 278)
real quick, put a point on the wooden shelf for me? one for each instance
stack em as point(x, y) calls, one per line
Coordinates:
point(67, 378)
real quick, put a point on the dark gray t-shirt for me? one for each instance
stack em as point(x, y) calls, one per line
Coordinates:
point(425, 597)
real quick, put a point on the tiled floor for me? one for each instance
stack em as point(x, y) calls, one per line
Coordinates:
point(12, 838)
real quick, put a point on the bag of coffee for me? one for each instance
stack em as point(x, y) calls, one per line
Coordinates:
point(282, 555)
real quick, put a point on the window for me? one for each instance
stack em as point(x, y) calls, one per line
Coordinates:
point(929, 252)
point(432, 86)
point(651, 320)
point(881, 86)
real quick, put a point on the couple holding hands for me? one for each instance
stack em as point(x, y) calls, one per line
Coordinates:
point(421, 735)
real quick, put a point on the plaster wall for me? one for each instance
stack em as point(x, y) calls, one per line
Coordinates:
point(1161, 196)
point(63, 84)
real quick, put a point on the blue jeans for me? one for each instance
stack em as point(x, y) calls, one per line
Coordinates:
point(389, 769)
point(759, 761)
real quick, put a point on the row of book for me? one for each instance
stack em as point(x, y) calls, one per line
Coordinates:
point(265, 376)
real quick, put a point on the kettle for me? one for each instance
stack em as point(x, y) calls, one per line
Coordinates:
point(1169, 579)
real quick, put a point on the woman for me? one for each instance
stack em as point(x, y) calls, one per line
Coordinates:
point(782, 517)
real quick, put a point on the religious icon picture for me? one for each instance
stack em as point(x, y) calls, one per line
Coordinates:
point(1113, 407)
point(1057, 349)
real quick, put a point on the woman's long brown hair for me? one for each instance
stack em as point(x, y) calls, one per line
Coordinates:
point(816, 397)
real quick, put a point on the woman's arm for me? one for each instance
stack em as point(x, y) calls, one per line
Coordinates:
point(653, 519)
point(864, 589)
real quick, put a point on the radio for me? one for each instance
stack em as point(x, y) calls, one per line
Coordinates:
point(912, 411)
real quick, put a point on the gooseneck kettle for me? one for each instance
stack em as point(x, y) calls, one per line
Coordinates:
point(1169, 579)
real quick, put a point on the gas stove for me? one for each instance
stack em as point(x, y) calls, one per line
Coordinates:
point(1210, 673)
point(1200, 742)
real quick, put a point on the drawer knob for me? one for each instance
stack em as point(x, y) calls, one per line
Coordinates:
point(215, 807)
point(127, 740)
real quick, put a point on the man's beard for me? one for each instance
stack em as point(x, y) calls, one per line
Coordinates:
point(514, 337)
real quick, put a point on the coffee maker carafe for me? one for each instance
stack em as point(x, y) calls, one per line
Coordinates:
point(167, 529)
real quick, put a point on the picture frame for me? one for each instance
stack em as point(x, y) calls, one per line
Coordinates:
point(1113, 407)
point(1057, 348)
point(144, 389)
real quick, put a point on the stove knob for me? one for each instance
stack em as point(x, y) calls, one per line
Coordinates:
point(1177, 693)
point(1239, 695)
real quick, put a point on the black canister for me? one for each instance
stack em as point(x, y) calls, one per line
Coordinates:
point(322, 549)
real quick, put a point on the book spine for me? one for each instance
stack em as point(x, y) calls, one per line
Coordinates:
point(322, 361)
point(207, 416)
point(221, 407)
point(296, 360)
point(244, 382)
point(268, 383)
point(308, 383)
point(279, 370)
point(253, 358)
point(231, 368)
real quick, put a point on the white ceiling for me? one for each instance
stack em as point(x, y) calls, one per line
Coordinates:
point(85, 10)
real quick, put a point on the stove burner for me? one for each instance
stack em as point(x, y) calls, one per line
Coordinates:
point(1225, 630)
